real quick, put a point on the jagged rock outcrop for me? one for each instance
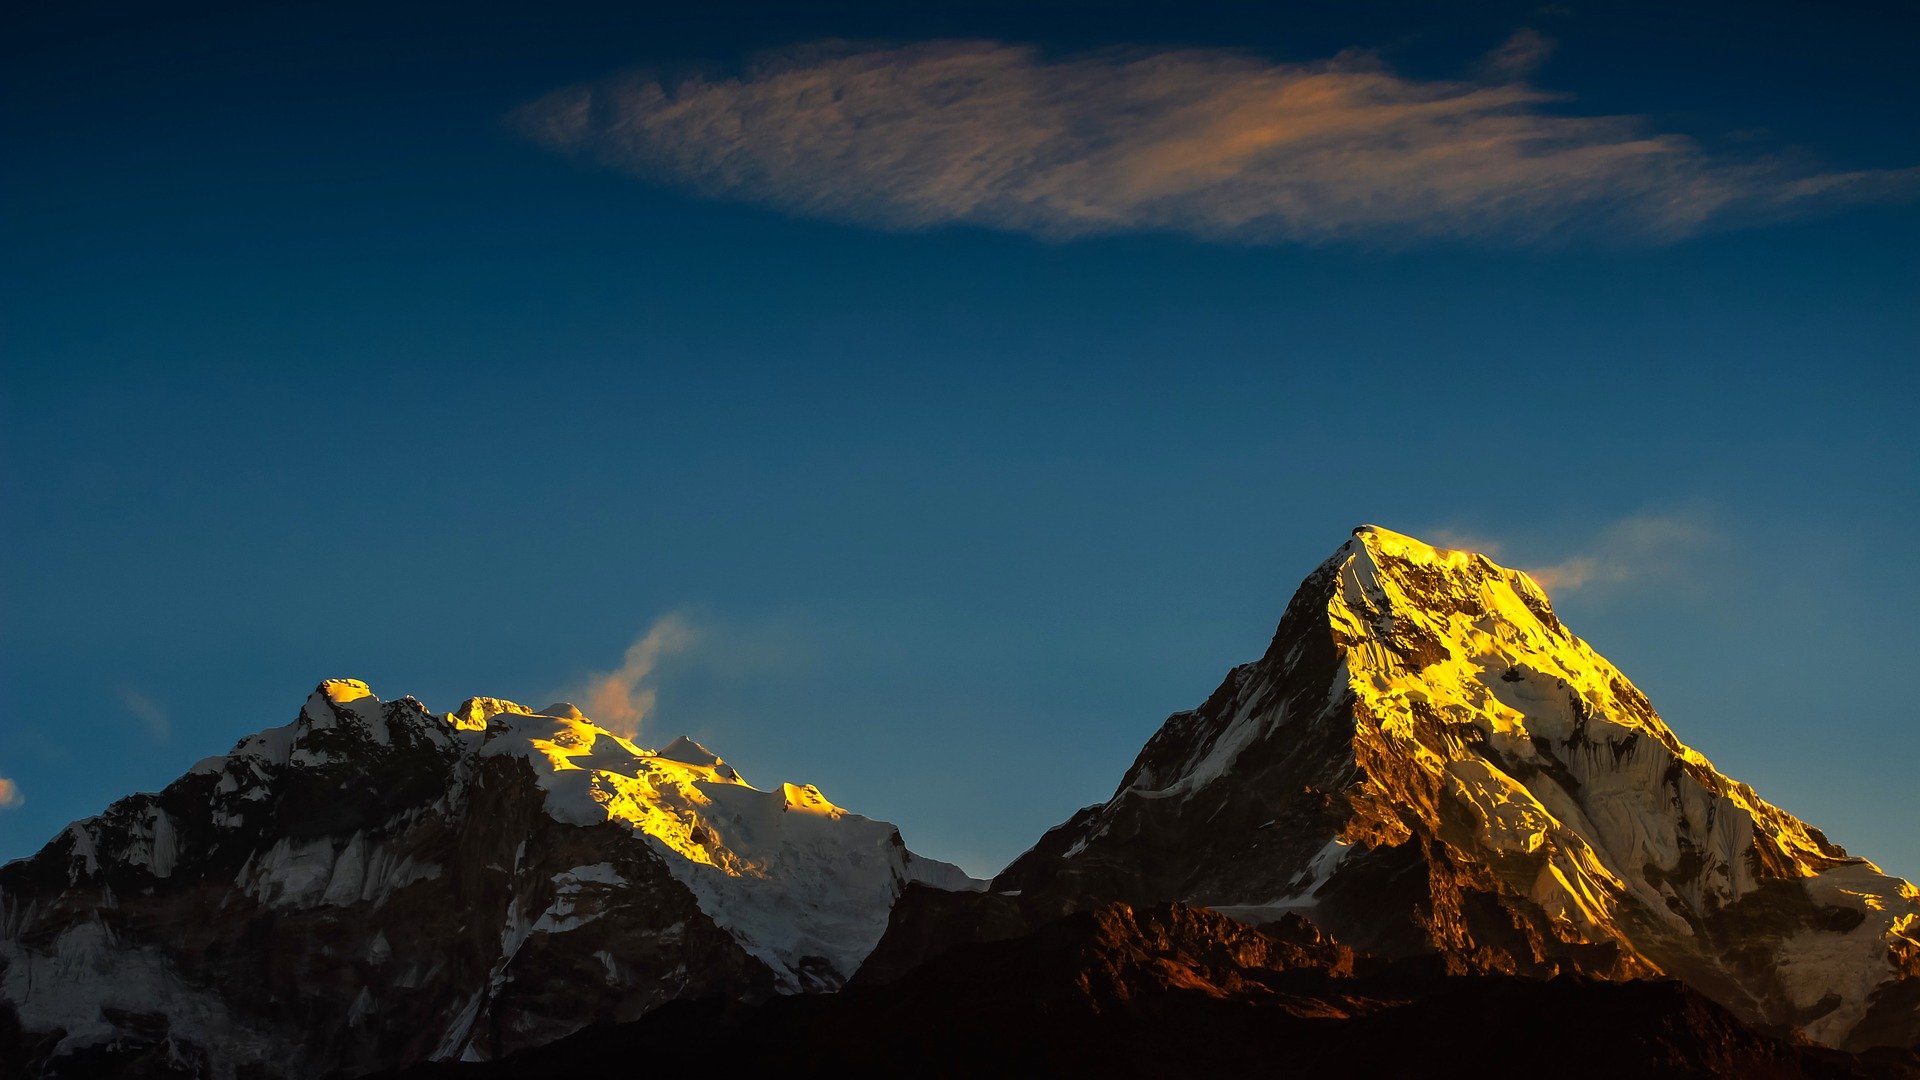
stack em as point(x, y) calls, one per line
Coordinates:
point(374, 884)
point(1427, 761)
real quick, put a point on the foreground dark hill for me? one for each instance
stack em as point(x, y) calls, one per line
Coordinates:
point(1173, 991)
point(1428, 762)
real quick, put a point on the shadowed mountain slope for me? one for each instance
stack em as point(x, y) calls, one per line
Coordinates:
point(1172, 991)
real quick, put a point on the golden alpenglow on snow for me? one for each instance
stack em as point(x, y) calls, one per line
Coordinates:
point(1428, 760)
point(432, 887)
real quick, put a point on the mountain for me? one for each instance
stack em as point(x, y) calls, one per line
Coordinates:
point(1172, 991)
point(1428, 762)
point(1430, 832)
point(374, 884)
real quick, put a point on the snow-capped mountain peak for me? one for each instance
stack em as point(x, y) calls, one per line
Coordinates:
point(685, 749)
point(432, 886)
point(1427, 760)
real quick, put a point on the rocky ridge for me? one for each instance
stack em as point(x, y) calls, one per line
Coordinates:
point(1427, 761)
point(375, 884)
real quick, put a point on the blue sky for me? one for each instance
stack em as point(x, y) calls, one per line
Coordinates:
point(321, 359)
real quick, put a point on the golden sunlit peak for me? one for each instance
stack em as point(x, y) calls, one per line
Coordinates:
point(688, 752)
point(342, 691)
point(685, 749)
point(472, 714)
point(1380, 544)
point(1385, 543)
point(808, 799)
point(564, 710)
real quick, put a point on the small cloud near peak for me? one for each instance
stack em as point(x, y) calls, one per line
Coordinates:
point(1638, 549)
point(10, 796)
point(619, 700)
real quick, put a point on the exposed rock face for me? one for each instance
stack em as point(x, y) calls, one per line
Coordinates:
point(1172, 991)
point(374, 884)
point(1427, 761)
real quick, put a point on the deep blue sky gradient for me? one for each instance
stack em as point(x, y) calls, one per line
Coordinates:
point(311, 368)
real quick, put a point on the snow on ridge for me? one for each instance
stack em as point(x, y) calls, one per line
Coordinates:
point(795, 878)
point(1577, 766)
point(1465, 712)
point(686, 750)
point(792, 876)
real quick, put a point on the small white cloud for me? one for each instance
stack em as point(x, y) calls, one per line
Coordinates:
point(1644, 547)
point(149, 712)
point(10, 796)
point(1636, 548)
point(1211, 143)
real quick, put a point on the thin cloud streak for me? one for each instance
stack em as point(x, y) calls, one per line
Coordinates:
point(1518, 57)
point(1641, 549)
point(1214, 144)
point(151, 714)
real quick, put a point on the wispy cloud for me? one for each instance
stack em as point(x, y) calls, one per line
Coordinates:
point(1518, 57)
point(619, 700)
point(10, 796)
point(1215, 144)
point(149, 712)
point(1645, 548)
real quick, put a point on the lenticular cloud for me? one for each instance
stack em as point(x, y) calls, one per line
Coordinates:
point(1215, 144)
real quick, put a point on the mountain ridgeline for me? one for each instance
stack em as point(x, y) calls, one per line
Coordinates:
point(1427, 761)
point(1429, 809)
point(374, 884)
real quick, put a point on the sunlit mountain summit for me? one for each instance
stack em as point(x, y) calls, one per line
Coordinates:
point(374, 884)
point(1427, 761)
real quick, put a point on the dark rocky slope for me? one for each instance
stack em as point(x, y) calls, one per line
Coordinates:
point(1173, 991)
